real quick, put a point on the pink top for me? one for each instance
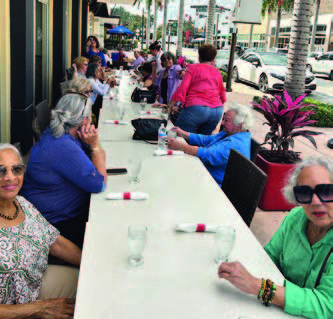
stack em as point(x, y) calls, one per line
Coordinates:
point(201, 85)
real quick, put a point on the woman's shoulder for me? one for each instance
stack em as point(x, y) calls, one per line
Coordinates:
point(27, 207)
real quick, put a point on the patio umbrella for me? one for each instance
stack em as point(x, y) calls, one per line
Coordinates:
point(198, 40)
point(120, 30)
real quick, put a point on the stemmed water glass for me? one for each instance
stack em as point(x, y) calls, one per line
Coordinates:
point(143, 104)
point(121, 111)
point(134, 168)
point(136, 238)
point(225, 241)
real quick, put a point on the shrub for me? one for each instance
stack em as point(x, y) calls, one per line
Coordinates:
point(136, 44)
point(225, 78)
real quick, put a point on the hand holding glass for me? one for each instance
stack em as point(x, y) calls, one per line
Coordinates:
point(137, 237)
point(134, 167)
point(225, 241)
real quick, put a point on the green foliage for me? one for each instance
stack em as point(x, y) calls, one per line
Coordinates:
point(136, 44)
point(272, 5)
point(225, 77)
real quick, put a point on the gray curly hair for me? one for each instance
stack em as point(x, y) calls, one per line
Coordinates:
point(68, 113)
point(288, 190)
point(243, 115)
point(7, 146)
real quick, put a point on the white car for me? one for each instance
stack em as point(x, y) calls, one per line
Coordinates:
point(322, 64)
point(267, 71)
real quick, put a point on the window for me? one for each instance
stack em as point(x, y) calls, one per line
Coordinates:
point(252, 58)
point(321, 28)
point(273, 31)
point(324, 57)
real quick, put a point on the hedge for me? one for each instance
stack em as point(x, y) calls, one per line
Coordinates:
point(225, 76)
point(323, 111)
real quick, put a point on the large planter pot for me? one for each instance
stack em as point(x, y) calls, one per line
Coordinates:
point(272, 198)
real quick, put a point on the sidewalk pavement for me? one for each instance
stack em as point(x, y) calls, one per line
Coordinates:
point(265, 223)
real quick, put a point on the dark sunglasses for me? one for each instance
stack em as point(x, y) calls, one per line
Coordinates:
point(85, 64)
point(304, 193)
point(167, 58)
point(17, 170)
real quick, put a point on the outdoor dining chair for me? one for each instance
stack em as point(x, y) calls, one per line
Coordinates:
point(41, 119)
point(243, 184)
point(255, 146)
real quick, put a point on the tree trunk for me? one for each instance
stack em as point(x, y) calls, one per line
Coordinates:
point(155, 21)
point(210, 21)
point(277, 31)
point(165, 24)
point(148, 26)
point(251, 35)
point(298, 48)
point(179, 51)
point(314, 29)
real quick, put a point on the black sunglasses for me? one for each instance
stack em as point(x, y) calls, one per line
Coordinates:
point(17, 170)
point(167, 58)
point(304, 193)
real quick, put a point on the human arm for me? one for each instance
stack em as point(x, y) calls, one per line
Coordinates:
point(64, 249)
point(223, 95)
point(201, 140)
point(88, 46)
point(218, 127)
point(181, 92)
point(75, 70)
point(154, 74)
point(60, 308)
point(177, 145)
point(100, 88)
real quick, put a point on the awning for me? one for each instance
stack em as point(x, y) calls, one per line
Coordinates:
point(128, 2)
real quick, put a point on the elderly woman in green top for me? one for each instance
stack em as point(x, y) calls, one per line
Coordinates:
point(301, 248)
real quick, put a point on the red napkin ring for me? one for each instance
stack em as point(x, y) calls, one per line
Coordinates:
point(127, 196)
point(148, 112)
point(116, 122)
point(201, 228)
point(169, 152)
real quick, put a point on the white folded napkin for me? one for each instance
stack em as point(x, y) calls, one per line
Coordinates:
point(168, 152)
point(128, 195)
point(191, 228)
point(117, 122)
point(148, 112)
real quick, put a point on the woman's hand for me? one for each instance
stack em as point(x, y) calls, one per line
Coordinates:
point(176, 145)
point(236, 274)
point(88, 43)
point(154, 65)
point(180, 132)
point(181, 74)
point(60, 308)
point(89, 135)
point(75, 67)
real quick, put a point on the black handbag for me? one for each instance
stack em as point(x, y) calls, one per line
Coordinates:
point(147, 129)
point(138, 95)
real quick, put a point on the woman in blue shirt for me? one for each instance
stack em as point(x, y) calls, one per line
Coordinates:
point(93, 48)
point(65, 167)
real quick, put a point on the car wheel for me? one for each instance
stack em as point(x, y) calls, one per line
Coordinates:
point(263, 83)
point(331, 76)
point(309, 68)
point(235, 77)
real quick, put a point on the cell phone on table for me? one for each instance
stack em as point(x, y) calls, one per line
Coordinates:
point(116, 171)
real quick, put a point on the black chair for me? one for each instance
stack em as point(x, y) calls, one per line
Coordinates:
point(243, 184)
point(255, 146)
point(69, 74)
point(41, 121)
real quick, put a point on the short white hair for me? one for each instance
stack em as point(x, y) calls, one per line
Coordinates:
point(243, 116)
point(292, 181)
point(5, 147)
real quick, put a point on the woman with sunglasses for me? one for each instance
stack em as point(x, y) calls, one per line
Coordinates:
point(65, 167)
point(26, 241)
point(168, 79)
point(201, 93)
point(93, 48)
point(302, 248)
point(80, 66)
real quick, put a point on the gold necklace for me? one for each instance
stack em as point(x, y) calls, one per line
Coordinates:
point(16, 213)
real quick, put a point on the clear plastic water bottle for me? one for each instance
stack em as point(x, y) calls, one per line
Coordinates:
point(162, 136)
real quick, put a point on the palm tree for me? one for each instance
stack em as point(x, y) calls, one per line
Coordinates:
point(179, 51)
point(298, 48)
point(148, 4)
point(165, 24)
point(314, 29)
point(210, 21)
point(155, 19)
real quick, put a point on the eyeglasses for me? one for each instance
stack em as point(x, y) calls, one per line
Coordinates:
point(304, 193)
point(17, 170)
point(167, 58)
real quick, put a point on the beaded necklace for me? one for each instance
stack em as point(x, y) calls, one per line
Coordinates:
point(16, 213)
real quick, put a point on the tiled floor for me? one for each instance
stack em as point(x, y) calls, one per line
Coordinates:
point(265, 223)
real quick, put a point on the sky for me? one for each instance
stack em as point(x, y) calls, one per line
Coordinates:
point(174, 9)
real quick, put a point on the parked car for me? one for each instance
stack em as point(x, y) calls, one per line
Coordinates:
point(278, 50)
point(322, 64)
point(252, 50)
point(222, 59)
point(238, 49)
point(267, 71)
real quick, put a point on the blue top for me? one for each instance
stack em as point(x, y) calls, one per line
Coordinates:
point(60, 177)
point(214, 150)
point(90, 53)
point(98, 89)
point(173, 81)
point(138, 61)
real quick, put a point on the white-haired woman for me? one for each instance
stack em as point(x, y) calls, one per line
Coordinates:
point(65, 167)
point(26, 240)
point(302, 248)
point(214, 150)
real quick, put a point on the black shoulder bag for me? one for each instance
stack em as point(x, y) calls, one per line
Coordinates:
point(138, 95)
point(147, 129)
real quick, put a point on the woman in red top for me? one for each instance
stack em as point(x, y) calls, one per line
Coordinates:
point(201, 93)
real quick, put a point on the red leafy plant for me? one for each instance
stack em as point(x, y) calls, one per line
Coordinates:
point(284, 116)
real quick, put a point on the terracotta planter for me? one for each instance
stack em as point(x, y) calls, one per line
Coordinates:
point(272, 198)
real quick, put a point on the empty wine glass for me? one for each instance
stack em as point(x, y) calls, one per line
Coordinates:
point(136, 238)
point(134, 167)
point(225, 241)
point(121, 111)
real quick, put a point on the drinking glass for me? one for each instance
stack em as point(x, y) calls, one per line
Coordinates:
point(143, 104)
point(172, 134)
point(136, 238)
point(225, 241)
point(134, 167)
point(121, 69)
point(116, 92)
point(121, 111)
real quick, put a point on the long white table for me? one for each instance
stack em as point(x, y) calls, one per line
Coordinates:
point(178, 278)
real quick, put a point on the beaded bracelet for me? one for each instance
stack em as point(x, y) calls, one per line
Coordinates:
point(95, 149)
point(271, 295)
point(262, 288)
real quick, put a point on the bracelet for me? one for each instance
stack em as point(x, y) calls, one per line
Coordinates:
point(271, 295)
point(268, 292)
point(95, 149)
point(262, 289)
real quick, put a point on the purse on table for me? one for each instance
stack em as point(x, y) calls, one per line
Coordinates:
point(147, 129)
point(138, 95)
